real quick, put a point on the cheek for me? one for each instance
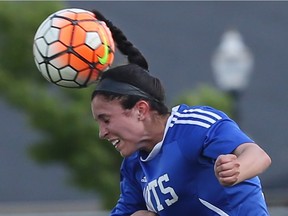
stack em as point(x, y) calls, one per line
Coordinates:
point(130, 128)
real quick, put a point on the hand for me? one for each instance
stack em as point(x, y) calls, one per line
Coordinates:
point(144, 213)
point(227, 169)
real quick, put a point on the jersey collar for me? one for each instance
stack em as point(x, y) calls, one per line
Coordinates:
point(158, 146)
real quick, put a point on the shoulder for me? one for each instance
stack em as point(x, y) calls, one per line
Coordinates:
point(208, 110)
point(200, 116)
point(191, 124)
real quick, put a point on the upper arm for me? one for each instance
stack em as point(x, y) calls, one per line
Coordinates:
point(252, 159)
point(244, 147)
point(251, 152)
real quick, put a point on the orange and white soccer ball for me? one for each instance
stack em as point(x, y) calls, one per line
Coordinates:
point(72, 48)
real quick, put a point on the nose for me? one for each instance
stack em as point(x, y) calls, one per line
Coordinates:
point(103, 132)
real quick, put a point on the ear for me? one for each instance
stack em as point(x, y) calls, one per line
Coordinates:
point(143, 108)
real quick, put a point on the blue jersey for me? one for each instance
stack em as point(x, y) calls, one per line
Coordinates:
point(177, 177)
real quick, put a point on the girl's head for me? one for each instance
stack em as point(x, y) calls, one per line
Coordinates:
point(129, 84)
point(127, 98)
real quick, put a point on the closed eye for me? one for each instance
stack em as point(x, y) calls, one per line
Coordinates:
point(103, 118)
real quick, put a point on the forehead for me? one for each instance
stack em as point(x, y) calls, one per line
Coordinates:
point(102, 106)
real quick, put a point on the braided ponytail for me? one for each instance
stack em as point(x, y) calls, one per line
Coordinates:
point(125, 47)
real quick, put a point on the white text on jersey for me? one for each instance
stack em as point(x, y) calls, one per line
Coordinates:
point(156, 186)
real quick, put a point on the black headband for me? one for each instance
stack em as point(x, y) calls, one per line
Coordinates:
point(108, 85)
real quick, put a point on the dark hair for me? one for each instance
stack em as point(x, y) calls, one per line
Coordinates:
point(135, 73)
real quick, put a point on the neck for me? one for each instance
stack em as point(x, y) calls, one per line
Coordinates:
point(154, 132)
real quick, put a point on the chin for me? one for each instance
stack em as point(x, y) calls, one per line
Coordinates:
point(125, 154)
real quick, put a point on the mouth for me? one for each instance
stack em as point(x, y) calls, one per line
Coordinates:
point(115, 142)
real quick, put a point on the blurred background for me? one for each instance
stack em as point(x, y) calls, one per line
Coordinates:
point(51, 160)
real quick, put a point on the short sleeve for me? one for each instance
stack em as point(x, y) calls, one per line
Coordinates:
point(223, 138)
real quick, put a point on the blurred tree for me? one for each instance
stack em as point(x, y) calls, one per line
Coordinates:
point(62, 116)
point(209, 96)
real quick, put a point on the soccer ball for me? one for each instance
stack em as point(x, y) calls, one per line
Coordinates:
point(72, 48)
